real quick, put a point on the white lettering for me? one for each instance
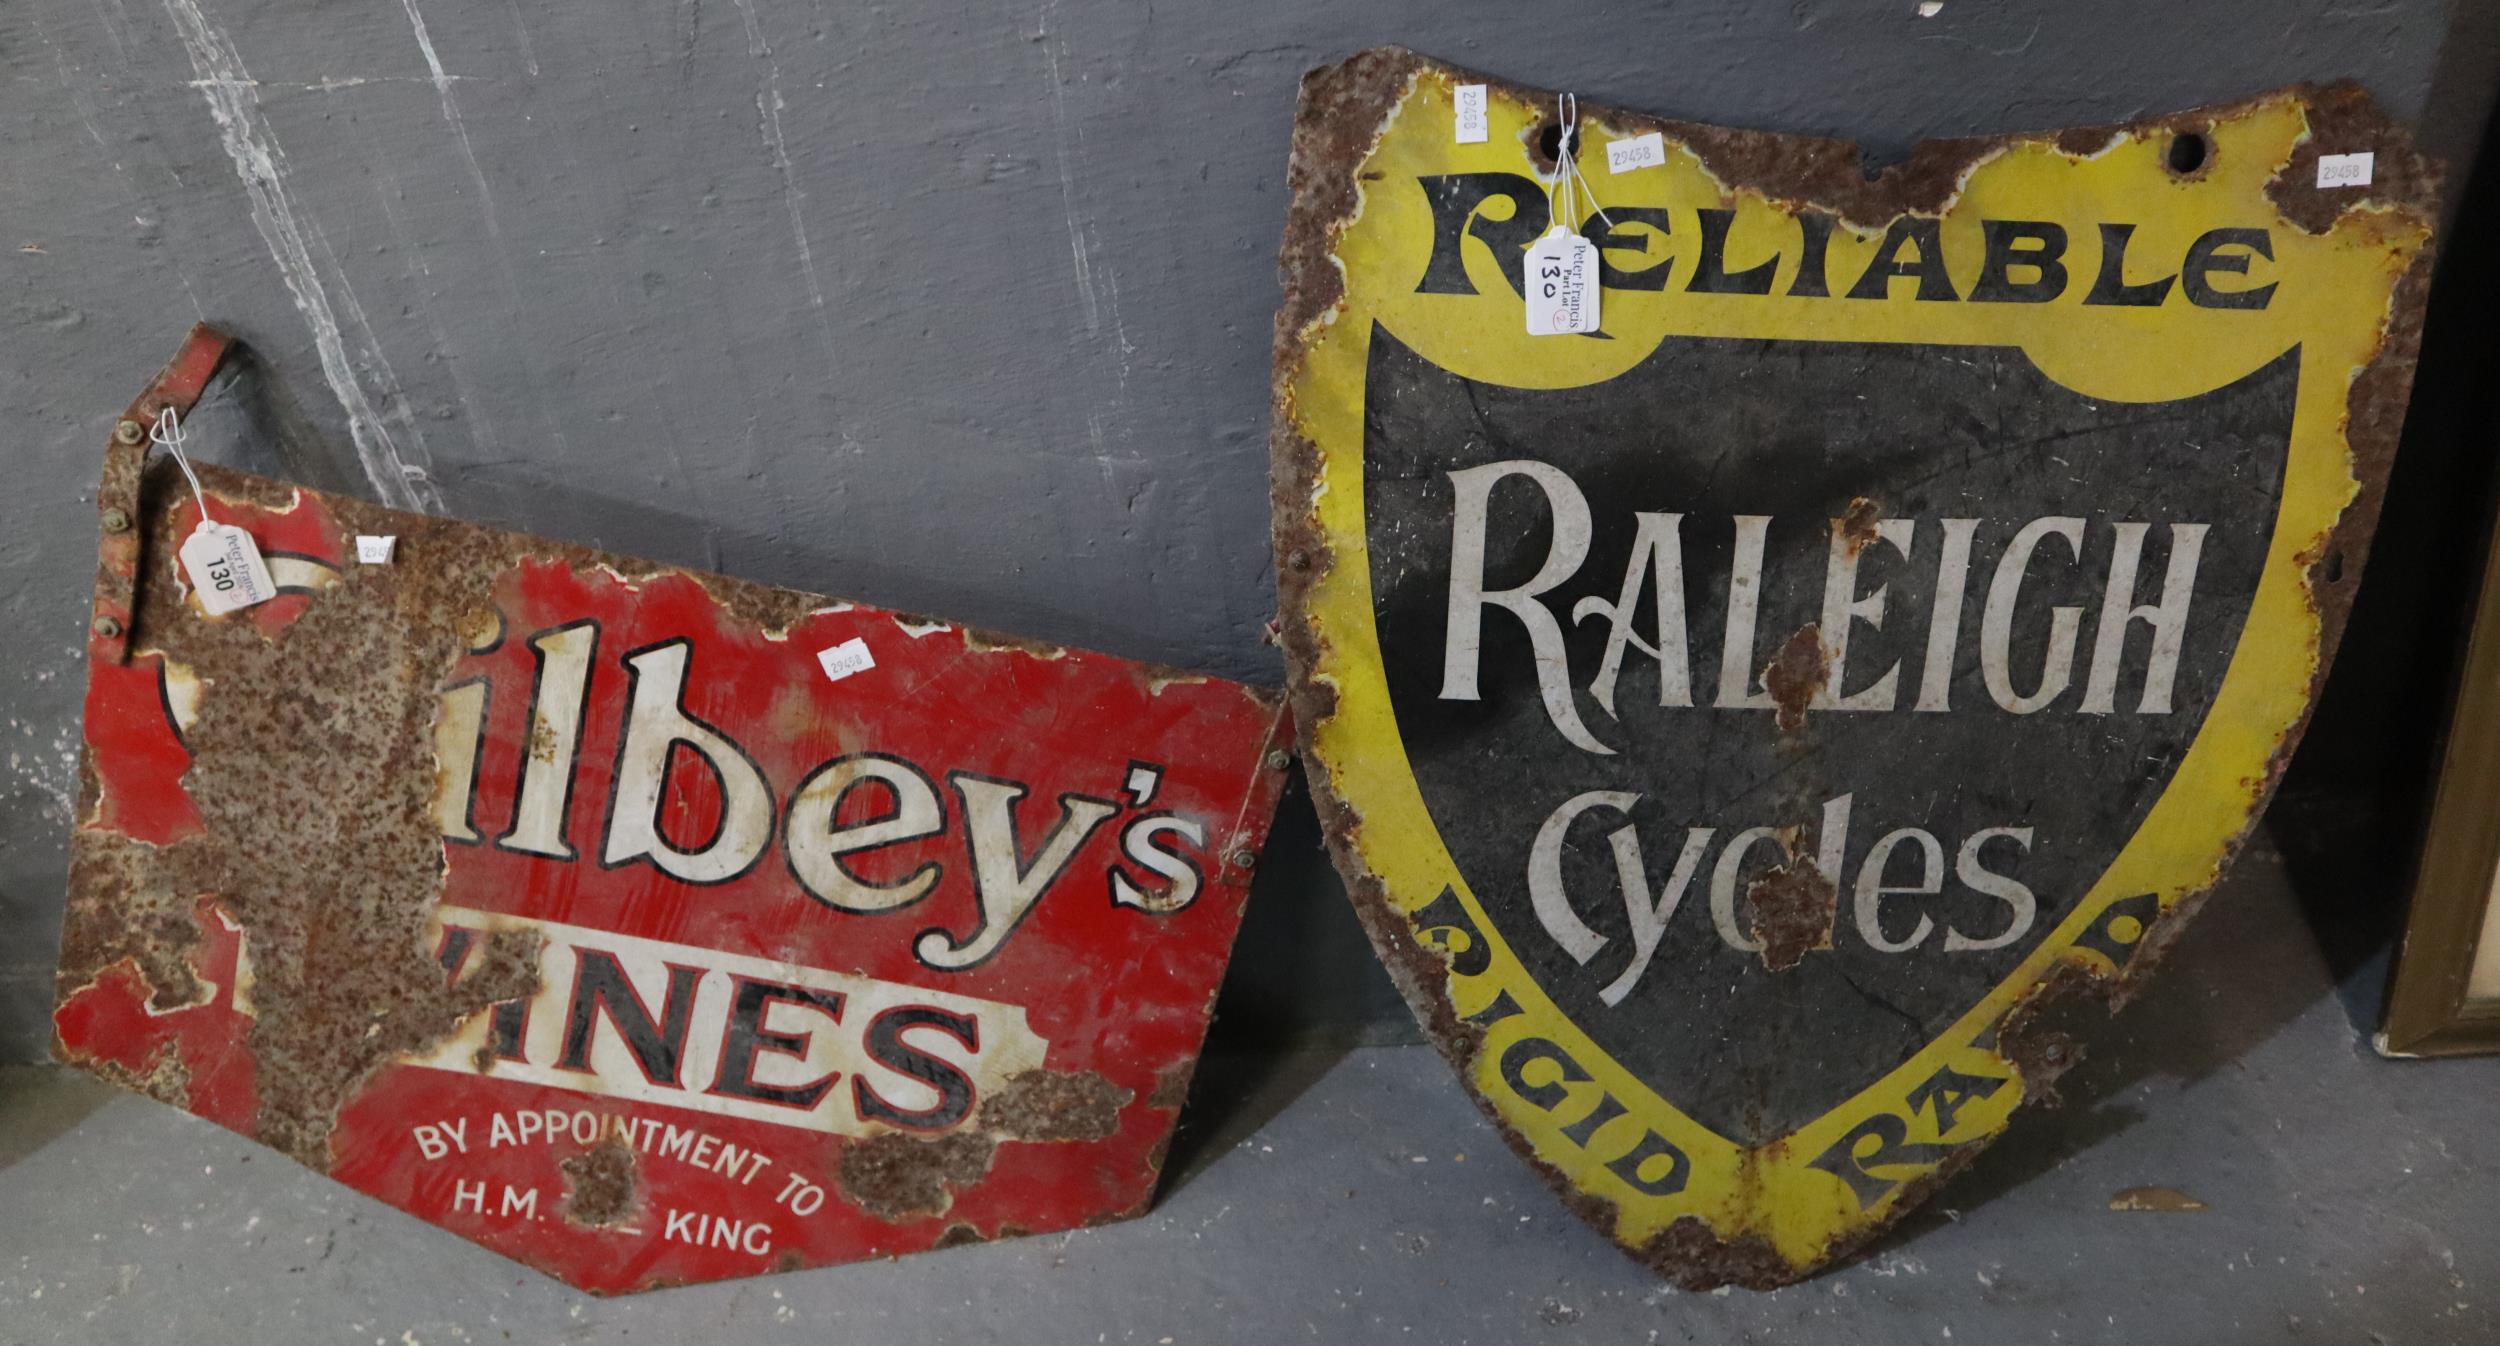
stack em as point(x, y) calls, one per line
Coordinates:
point(1137, 843)
point(1657, 557)
point(1545, 884)
point(1649, 916)
point(2167, 617)
point(1723, 885)
point(816, 845)
point(1463, 645)
point(1976, 877)
point(654, 724)
point(1872, 888)
point(1738, 686)
point(1996, 627)
point(1004, 887)
point(555, 732)
point(1944, 623)
point(1844, 608)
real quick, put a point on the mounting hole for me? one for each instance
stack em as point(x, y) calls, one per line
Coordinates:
point(1549, 143)
point(2187, 152)
point(2335, 567)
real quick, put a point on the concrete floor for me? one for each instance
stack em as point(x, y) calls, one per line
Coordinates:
point(1357, 1197)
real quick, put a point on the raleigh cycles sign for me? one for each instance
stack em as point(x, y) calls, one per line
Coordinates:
point(1733, 718)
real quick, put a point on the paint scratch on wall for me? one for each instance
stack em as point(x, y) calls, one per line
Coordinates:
point(472, 411)
point(398, 477)
point(1080, 246)
point(1069, 140)
point(451, 114)
point(521, 33)
point(768, 106)
point(85, 109)
point(325, 84)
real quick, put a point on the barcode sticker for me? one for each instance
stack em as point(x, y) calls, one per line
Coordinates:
point(2345, 170)
point(843, 660)
point(1471, 127)
point(1649, 151)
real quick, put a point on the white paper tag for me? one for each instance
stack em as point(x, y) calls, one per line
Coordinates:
point(843, 660)
point(1647, 151)
point(1562, 284)
point(225, 568)
point(375, 551)
point(2345, 170)
point(1471, 127)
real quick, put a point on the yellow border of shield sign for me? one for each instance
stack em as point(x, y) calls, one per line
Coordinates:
point(2334, 302)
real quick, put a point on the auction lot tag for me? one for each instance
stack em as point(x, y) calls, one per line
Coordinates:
point(1561, 273)
point(1735, 725)
point(225, 568)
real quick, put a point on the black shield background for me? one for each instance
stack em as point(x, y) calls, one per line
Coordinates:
point(1796, 430)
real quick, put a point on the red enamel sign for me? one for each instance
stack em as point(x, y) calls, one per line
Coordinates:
point(643, 926)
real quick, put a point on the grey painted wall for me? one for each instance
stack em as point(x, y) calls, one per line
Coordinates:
point(953, 307)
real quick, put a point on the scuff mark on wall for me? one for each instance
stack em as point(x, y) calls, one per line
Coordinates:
point(85, 108)
point(1068, 140)
point(768, 106)
point(482, 433)
point(399, 478)
point(451, 113)
point(521, 36)
point(47, 768)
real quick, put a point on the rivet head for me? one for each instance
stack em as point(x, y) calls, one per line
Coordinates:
point(1243, 859)
point(128, 432)
point(1279, 760)
point(115, 521)
point(108, 627)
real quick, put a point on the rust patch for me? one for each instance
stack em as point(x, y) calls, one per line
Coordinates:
point(1693, 1257)
point(1171, 1087)
point(317, 727)
point(1053, 1105)
point(2155, 1198)
point(2083, 142)
point(1789, 909)
point(602, 1182)
point(898, 1177)
point(2344, 120)
point(1857, 525)
point(1795, 676)
point(115, 878)
point(167, 1079)
point(2031, 1037)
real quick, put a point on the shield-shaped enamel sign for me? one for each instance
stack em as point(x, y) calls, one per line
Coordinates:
point(645, 926)
point(1879, 603)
